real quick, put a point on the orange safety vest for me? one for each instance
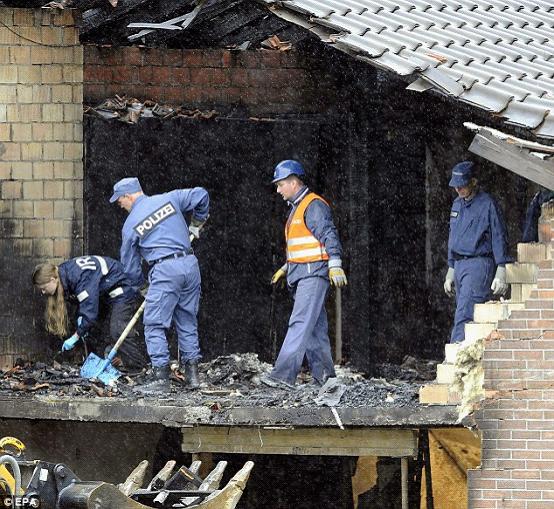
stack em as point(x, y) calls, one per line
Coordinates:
point(302, 246)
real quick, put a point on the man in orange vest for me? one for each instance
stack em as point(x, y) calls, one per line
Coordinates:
point(313, 260)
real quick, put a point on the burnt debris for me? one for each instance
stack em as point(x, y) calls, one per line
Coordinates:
point(226, 382)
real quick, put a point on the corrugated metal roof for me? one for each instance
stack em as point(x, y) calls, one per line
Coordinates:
point(494, 54)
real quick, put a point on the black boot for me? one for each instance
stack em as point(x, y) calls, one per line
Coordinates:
point(156, 382)
point(190, 370)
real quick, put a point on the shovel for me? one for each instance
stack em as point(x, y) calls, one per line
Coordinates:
point(102, 369)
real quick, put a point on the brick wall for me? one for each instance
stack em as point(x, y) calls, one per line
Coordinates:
point(40, 162)
point(517, 424)
point(262, 81)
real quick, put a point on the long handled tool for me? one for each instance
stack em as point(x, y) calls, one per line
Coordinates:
point(102, 369)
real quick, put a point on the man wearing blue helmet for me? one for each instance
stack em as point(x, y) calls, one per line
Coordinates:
point(313, 260)
point(476, 245)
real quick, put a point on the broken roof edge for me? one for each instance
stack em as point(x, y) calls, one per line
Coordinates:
point(530, 160)
point(533, 146)
point(420, 78)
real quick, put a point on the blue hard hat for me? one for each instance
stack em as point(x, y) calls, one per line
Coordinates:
point(462, 174)
point(287, 168)
point(125, 186)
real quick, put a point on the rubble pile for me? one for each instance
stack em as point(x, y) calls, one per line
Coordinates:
point(226, 382)
point(130, 110)
point(411, 369)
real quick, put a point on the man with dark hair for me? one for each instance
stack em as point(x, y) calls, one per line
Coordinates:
point(313, 259)
point(476, 245)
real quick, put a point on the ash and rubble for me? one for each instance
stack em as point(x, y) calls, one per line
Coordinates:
point(227, 382)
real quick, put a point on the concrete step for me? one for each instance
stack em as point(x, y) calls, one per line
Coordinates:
point(532, 252)
point(520, 292)
point(445, 373)
point(438, 394)
point(521, 272)
point(450, 352)
point(491, 312)
point(474, 331)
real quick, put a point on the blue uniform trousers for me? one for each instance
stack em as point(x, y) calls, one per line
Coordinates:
point(473, 278)
point(307, 333)
point(173, 295)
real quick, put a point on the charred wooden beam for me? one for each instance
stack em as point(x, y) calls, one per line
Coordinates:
point(97, 17)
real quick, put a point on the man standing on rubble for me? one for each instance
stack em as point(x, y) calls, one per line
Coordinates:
point(157, 231)
point(313, 259)
point(476, 245)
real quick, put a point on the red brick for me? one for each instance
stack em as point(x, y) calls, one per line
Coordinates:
point(546, 272)
point(110, 55)
point(145, 75)
point(525, 313)
point(133, 56)
point(122, 74)
point(535, 504)
point(526, 333)
point(154, 93)
point(180, 76)
point(539, 304)
point(249, 59)
point(172, 57)
point(174, 95)
point(546, 265)
point(201, 76)
point(526, 474)
point(239, 77)
point(220, 77)
point(545, 283)
point(99, 73)
point(228, 58)
point(91, 54)
point(153, 56)
point(192, 94)
point(161, 75)
point(270, 58)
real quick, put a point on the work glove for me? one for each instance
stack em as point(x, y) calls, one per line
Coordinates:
point(70, 343)
point(449, 282)
point(281, 272)
point(499, 285)
point(195, 226)
point(337, 277)
point(336, 273)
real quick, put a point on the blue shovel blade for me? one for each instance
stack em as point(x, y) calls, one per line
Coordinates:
point(96, 367)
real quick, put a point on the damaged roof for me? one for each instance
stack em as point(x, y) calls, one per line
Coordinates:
point(497, 55)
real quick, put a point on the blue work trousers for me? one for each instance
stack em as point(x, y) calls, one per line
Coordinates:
point(173, 296)
point(473, 278)
point(307, 334)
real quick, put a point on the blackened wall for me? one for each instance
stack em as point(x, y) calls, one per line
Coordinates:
point(242, 243)
point(380, 154)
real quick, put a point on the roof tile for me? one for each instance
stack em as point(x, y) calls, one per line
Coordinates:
point(494, 54)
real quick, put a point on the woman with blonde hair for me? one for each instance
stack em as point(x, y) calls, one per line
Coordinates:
point(88, 280)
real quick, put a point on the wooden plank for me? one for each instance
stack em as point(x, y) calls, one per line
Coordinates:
point(301, 441)
point(514, 158)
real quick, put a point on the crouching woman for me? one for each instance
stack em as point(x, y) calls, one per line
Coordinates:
point(88, 280)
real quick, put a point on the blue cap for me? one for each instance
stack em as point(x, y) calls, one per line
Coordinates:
point(287, 168)
point(128, 185)
point(462, 173)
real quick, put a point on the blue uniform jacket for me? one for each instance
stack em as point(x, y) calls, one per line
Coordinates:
point(90, 277)
point(156, 227)
point(477, 229)
point(320, 222)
